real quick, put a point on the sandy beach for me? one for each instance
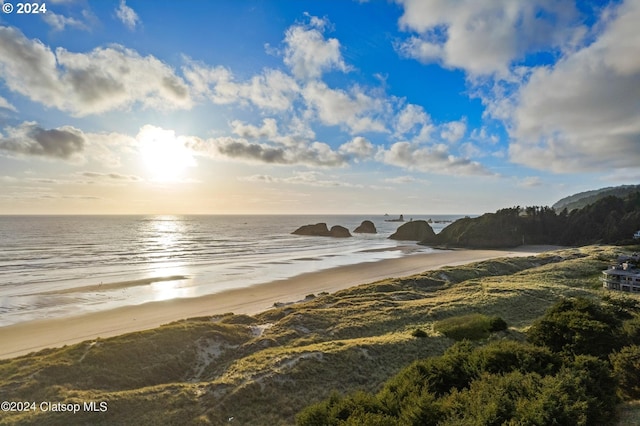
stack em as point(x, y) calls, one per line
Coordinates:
point(31, 336)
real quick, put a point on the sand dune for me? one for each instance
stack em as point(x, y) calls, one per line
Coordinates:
point(31, 336)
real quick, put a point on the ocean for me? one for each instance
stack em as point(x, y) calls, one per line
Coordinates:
point(53, 266)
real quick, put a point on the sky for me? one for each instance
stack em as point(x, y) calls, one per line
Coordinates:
point(312, 107)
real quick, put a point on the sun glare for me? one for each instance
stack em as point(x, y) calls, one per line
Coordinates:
point(165, 156)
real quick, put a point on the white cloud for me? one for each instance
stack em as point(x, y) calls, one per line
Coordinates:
point(453, 131)
point(87, 83)
point(106, 149)
point(334, 107)
point(411, 117)
point(60, 22)
point(271, 90)
point(484, 136)
point(268, 130)
point(309, 178)
point(582, 113)
point(530, 182)
point(127, 15)
point(308, 53)
point(6, 105)
point(434, 159)
point(406, 179)
point(624, 175)
point(358, 148)
point(484, 37)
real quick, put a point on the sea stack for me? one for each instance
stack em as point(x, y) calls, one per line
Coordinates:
point(417, 230)
point(321, 230)
point(339, 232)
point(366, 227)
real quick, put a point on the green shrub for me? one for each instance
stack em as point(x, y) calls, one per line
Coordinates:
point(419, 333)
point(631, 329)
point(505, 356)
point(505, 382)
point(497, 324)
point(472, 327)
point(578, 327)
point(626, 367)
point(337, 410)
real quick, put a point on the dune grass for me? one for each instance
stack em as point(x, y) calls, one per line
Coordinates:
point(263, 369)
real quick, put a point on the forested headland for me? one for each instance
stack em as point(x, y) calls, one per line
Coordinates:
point(610, 220)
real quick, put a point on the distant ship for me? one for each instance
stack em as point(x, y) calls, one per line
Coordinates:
point(399, 219)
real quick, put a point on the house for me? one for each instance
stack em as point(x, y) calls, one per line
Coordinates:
point(624, 276)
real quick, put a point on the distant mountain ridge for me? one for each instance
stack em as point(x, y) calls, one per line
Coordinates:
point(583, 199)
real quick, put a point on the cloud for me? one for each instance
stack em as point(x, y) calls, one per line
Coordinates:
point(41, 195)
point(309, 178)
point(410, 117)
point(314, 154)
point(308, 53)
point(127, 15)
point(6, 105)
point(358, 148)
point(581, 114)
point(271, 90)
point(530, 182)
point(484, 37)
point(355, 109)
point(453, 131)
point(88, 83)
point(483, 135)
point(29, 139)
point(241, 149)
point(406, 179)
point(268, 130)
point(433, 159)
point(113, 176)
point(60, 22)
point(67, 143)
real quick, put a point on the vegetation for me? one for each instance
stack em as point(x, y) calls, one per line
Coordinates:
point(471, 327)
point(564, 379)
point(376, 352)
point(583, 199)
point(502, 383)
point(609, 220)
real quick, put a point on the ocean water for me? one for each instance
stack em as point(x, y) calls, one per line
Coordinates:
point(53, 265)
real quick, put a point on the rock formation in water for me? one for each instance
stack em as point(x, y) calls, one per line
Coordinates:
point(366, 227)
point(417, 230)
point(321, 230)
point(339, 232)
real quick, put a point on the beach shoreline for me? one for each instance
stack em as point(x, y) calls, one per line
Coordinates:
point(29, 336)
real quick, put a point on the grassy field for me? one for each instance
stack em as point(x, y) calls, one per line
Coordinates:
point(265, 369)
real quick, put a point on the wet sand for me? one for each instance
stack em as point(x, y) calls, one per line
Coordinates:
point(22, 338)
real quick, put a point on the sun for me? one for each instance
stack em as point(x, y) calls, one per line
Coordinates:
point(165, 156)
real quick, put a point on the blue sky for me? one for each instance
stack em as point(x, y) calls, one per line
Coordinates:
point(406, 106)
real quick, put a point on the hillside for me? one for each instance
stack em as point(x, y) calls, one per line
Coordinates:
point(610, 220)
point(265, 369)
point(583, 199)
